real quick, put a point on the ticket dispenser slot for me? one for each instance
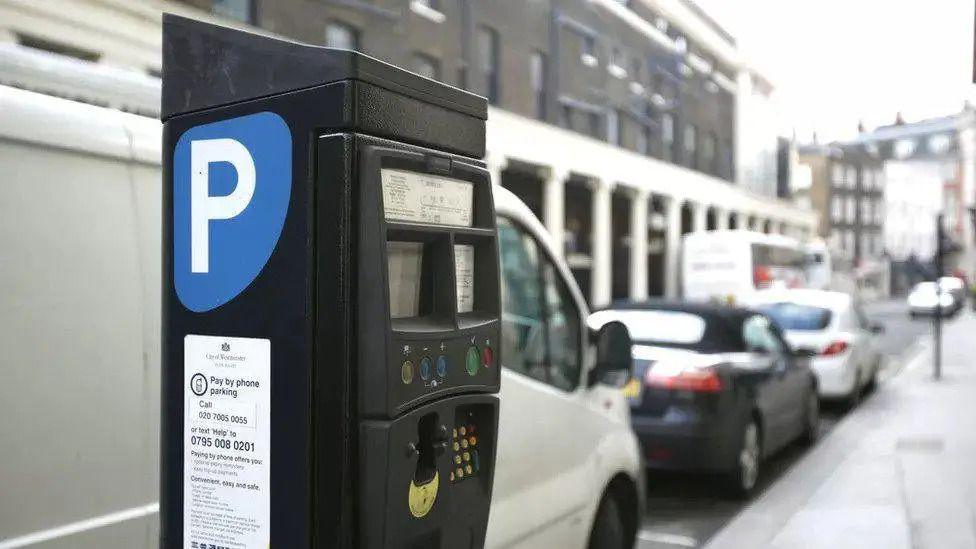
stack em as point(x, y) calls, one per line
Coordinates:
point(346, 281)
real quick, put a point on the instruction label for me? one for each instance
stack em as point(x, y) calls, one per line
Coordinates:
point(425, 198)
point(226, 443)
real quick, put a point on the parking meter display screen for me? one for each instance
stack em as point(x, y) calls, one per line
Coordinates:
point(414, 197)
point(404, 261)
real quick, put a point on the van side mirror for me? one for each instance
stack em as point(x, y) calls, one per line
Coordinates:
point(613, 354)
point(876, 328)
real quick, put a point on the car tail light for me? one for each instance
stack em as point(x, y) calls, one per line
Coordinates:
point(835, 348)
point(699, 380)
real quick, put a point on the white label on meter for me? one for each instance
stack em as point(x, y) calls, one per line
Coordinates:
point(464, 275)
point(425, 198)
point(226, 442)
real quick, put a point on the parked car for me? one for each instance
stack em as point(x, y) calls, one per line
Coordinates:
point(926, 298)
point(714, 388)
point(832, 328)
point(955, 286)
point(569, 468)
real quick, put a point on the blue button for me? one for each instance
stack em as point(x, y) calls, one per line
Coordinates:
point(425, 368)
point(442, 366)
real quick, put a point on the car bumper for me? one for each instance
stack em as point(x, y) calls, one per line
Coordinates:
point(836, 376)
point(686, 444)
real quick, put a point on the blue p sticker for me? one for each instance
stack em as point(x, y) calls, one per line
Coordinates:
point(231, 186)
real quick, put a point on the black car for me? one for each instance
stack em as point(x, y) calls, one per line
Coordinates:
point(714, 388)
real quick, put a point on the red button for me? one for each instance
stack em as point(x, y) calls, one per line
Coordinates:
point(487, 356)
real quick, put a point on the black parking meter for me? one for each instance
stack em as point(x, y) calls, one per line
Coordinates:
point(331, 300)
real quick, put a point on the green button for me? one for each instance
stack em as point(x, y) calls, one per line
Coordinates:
point(472, 361)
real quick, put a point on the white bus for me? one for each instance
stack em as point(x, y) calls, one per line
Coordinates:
point(728, 266)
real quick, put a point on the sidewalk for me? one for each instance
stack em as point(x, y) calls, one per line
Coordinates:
point(898, 472)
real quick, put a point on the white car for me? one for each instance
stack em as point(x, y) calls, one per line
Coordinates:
point(568, 471)
point(926, 297)
point(832, 329)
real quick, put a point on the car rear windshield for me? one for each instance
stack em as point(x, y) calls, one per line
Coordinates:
point(792, 316)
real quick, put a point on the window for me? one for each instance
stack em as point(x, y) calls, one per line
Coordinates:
point(866, 217)
point(564, 330)
point(691, 145)
point(667, 136)
point(879, 213)
point(541, 328)
point(837, 175)
point(708, 154)
point(643, 144)
point(341, 35)
point(588, 50)
point(616, 65)
point(594, 125)
point(488, 62)
point(837, 209)
point(851, 210)
point(793, 316)
point(425, 65)
point(239, 10)
point(851, 177)
point(537, 78)
point(849, 241)
point(613, 126)
point(681, 44)
point(758, 335)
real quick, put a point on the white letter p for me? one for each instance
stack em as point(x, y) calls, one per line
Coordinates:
point(204, 207)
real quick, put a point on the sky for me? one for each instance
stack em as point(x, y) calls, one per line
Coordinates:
point(835, 62)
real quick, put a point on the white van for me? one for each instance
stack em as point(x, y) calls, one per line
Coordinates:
point(729, 266)
point(819, 267)
point(80, 228)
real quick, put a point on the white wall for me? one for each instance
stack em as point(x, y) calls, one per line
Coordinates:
point(913, 197)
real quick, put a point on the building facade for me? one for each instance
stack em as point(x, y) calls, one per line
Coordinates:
point(619, 122)
point(847, 191)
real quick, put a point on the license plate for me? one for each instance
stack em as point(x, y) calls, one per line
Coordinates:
point(632, 389)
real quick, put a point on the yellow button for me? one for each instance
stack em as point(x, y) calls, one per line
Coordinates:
point(457, 446)
point(468, 468)
point(463, 431)
point(460, 473)
point(457, 459)
point(467, 456)
point(464, 443)
point(406, 372)
point(455, 433)
point(474, 441)
point(452, 476)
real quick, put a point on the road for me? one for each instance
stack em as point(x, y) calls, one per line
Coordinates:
point(686, 510)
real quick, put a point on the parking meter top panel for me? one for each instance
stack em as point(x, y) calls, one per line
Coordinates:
point(330, 248)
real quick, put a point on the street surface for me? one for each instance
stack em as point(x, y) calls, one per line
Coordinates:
point(685, 510)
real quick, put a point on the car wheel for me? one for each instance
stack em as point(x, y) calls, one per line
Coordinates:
point(742, 479)
point(872, 383)
point(608, 528)
point(811, 423)
point(854, 397)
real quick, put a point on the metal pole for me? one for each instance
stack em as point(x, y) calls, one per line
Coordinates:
point(937, 319)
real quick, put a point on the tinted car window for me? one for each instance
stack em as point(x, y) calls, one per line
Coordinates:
point(791, 316)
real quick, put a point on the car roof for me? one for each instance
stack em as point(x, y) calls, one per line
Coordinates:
point(813, 298)
point(723, 323)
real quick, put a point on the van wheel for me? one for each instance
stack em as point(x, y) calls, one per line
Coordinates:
point(741, 481)
point(608, 528)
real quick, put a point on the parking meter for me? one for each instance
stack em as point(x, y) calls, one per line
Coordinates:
point(331, 300)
